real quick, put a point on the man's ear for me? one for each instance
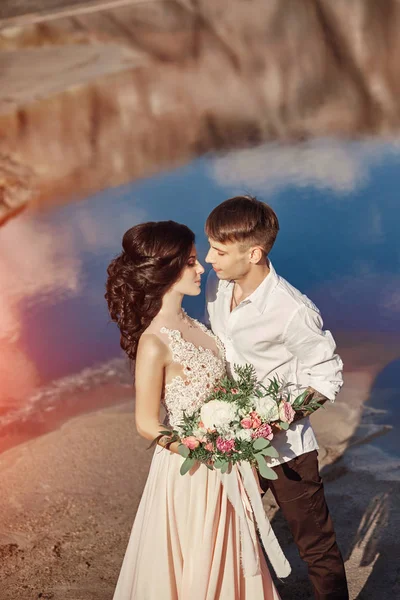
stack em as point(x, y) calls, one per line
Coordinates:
point(256, 255)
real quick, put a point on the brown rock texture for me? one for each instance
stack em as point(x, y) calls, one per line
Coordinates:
point(16, 187)
point(103, 95)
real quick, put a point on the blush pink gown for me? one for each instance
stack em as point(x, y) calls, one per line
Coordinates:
point(185, 542)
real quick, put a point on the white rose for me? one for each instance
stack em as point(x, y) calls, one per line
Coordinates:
point(243, 412)
point(267, 409)
point(228, 432)
point(244, 435)
point(217, 414)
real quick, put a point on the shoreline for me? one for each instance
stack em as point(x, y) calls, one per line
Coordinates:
point(108, 385)
point(40, 423)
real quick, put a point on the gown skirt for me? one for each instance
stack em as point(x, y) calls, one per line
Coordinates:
point(185, 541)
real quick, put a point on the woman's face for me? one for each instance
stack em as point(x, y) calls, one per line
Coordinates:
point(189, 281)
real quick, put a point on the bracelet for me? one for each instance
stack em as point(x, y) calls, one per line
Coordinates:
point(168, 444)
point(171, 438)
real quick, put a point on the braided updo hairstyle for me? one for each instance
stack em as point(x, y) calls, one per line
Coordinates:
point(153, 258)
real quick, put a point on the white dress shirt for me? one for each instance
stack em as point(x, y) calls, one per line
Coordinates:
point(279, 331)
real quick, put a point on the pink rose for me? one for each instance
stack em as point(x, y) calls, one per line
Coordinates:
point(223, 390)
point(286, 412)
point(265, 431)
point(225, 445)
point(191, 442)
point(256, 420)
point(247, 423)
point(234, 391)
point(209, 446)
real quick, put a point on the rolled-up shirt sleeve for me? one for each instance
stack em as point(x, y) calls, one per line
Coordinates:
point(314, 348)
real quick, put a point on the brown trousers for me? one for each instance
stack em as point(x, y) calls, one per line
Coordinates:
point(299, 492)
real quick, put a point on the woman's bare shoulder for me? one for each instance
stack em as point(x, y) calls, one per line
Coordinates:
point(151, 347)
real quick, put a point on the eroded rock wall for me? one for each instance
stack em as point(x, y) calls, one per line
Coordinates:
point(92, 100)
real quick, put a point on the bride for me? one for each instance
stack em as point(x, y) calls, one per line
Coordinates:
point(186, 541)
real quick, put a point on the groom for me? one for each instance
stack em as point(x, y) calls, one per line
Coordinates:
point(264, 321)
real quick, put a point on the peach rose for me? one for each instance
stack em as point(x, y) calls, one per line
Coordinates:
point(209, 446)
point(191, 442)
point(256, 421)
point(247, 423)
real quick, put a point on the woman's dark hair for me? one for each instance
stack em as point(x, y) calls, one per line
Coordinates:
point(153, 258)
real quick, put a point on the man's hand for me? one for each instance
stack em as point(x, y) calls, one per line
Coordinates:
point(314, 400)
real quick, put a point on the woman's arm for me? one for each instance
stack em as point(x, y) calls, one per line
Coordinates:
point(151, 360)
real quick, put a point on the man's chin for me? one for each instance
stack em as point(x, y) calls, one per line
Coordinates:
point(221, 275)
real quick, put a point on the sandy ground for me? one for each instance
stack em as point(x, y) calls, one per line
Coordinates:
point(68, 500)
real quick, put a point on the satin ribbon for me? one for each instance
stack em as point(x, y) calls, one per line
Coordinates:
point(241, 485)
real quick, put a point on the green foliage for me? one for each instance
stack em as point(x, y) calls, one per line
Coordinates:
point(242, 390)
point(265, 470)
point(300, 399)
point(269, 451)
point(187, 465)
point(260, 443)
point(183, 450)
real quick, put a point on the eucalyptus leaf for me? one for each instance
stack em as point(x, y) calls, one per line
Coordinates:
point(270, 451)
point(260, 443)
point(264, 469)
point(183, 450)
point(225, 466)
point(218, 463)
point(187, 465)
point(283, 425)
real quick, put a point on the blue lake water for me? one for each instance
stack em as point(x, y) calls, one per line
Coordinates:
point(339, 211)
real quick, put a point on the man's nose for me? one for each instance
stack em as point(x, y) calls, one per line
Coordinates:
point(208, 258)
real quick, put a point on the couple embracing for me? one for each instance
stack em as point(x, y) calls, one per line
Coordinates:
point(187, 541)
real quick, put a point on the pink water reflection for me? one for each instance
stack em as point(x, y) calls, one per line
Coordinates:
point(42, 265)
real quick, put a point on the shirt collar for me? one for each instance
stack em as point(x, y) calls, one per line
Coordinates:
point(259, 297)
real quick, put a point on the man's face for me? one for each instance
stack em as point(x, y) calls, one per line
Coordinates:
point(229, 260)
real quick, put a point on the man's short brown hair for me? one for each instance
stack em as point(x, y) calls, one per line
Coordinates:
point(243, 219)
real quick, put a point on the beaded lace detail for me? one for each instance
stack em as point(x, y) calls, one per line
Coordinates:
point(201, 370)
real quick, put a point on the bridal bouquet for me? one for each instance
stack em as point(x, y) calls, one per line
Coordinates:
point(234, 424)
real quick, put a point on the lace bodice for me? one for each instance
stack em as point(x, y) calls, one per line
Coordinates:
point(201, 370)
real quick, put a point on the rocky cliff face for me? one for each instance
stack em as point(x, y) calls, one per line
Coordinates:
point(96, 98)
